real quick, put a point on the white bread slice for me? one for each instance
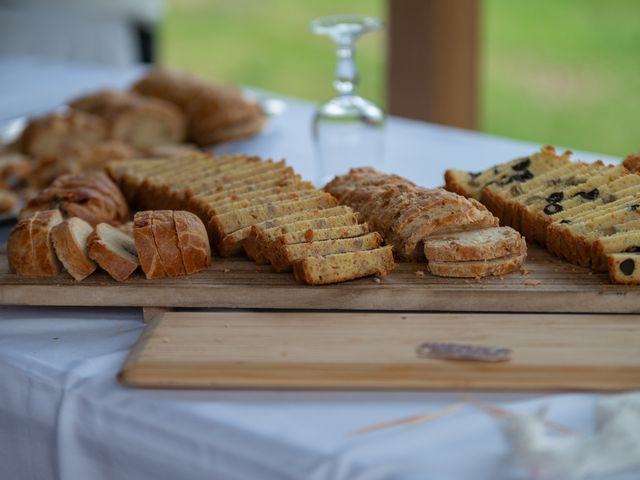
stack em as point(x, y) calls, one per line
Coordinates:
point(70, 243)
point(113, 250)
point(477, 268)
point(484, 244)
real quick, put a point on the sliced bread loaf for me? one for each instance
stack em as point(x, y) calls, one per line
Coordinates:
point(29, 246)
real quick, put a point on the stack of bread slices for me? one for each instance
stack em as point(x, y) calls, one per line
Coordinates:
point(582, 212)
point(458, 237)
point(262, 207)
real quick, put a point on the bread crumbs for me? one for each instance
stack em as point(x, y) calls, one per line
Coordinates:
point(377, 279)
point(226, 270)
point(419, 273)
point(532, 283)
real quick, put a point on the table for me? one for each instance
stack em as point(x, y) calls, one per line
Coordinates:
point(63, 415)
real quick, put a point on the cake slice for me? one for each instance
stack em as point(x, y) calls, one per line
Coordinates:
point(624, 268)
point(70, 243)
point(477, 268)
point(113, 250)
point(284, 257)
point(627, 240)
point(342, 267)
point(484, 244)
point(29, 246)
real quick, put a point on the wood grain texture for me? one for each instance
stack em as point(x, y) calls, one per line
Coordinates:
point(550, 286)
point(303, 350)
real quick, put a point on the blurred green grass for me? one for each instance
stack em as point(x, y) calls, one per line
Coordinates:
point(565, 72)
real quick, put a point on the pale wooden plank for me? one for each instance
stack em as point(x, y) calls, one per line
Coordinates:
point(550, 286)
point(305, 350)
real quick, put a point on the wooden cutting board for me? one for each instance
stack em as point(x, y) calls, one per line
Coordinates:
point(302, 350)
point(549, 285)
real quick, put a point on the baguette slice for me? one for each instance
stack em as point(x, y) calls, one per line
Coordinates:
point(192, 241)
point(113, 250)
point(284, 257)
point(29, 247)
point(70, 240)
point(624, 268)
point(477, 268)
point(342, 267)
point(485, 244)
point(146, 246)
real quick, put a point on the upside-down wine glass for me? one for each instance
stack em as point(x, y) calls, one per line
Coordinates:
point(348, 130)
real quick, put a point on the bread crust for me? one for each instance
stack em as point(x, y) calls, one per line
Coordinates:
point(29, 247)
point(478, 268)
point(146, 247)
point(70, 241)
point(166, 241)
point(192, 241)
point(119, 267)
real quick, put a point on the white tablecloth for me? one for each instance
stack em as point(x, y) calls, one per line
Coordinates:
point(63, 415)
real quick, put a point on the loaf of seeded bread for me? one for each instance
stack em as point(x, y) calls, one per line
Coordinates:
point(262, 235)
point(70, 241)
point(29, 246)
point(477, 268)
point(404, 213)
point(285, 256)
point(341, 267)
point(485, 244)
point(624, 268)
point(113, 250)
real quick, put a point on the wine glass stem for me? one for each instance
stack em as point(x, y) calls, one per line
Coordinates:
point(346, 69)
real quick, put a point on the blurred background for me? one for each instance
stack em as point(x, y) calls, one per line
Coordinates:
point(565, 72)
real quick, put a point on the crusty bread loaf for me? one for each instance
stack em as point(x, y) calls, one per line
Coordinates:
point(113, 250)
point(214, 113)
point(8, 202)
point(286, 255)
point(29, 246)
point(70, 243)
point(91, 196)
point(482, 244)
point(166, 241)
point(632, 162)
point(342, 267)
point(624, 268)
point(146, 246)
point(193, 242)
point(477, 268)
point(142, 122)
point(52, 135)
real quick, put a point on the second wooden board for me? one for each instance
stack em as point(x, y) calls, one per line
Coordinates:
point(301, 350)
point(547, 285)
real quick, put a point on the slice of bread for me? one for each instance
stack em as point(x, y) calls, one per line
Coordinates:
point(70, 243)
point(624, 268)
point(223, 225)
point(166, 241)
point(477, 268)
point(342, 267)
point(146, 247)
point(29, 246)
point(283, 258)
point(485, 244)
point(192, 241)
point(113, 250)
